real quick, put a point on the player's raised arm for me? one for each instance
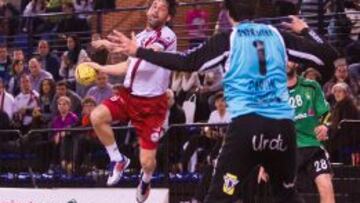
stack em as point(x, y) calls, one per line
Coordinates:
point(205, 56)
point(115, 69)
point(304, 45)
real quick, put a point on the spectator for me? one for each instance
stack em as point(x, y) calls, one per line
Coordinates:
point(98, 55)
point(312, 74)
point(211, 83)
point(71, 22)
point(354, 72)
point(70, 59)
point(34, 24)
point(116, 88)
point(10, 15)
point(37, 74)
point(5, 63)
point(24, 104)
point(44, 112)
point(62, 90)
point(62, 140)
point(341, 75)
point(35, 7)
point(54, 6)
point(48, 61)
point(351, 10)
point(208, 142)
point(83, 6)
point(17, 70)
point(346, 136)
point(18, 54)
point(353, 59)
point(176, 78)
point(86, 142)
point(223, 23)
point(6, 101)
point(190, 83)
point(220, 115)
point(197, 25)
point(102, 90)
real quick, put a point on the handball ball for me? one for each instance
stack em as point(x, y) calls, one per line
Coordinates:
point(85, 74)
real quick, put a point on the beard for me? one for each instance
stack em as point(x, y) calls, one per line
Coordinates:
point(154, 22)
point(291, 73)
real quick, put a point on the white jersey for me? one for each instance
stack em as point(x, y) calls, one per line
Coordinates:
point(215, 117)
point(26, 101)
point(146, 79)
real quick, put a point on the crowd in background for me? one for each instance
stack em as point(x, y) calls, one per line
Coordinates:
point(39, 90)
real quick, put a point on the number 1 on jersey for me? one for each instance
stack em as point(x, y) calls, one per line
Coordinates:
point(259, 45)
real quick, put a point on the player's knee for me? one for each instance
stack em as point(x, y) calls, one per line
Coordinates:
point(99, 116)
point(148, 163)
point(324, 184)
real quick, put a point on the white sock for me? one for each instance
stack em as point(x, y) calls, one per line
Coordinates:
point(114, 152)
point(146, 177)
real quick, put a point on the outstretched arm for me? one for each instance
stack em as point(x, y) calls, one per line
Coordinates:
point(205, 56)
point(306, 46)
point(115, 69)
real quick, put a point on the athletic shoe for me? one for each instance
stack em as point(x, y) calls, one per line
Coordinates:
point(116, 170)
point(142, 192)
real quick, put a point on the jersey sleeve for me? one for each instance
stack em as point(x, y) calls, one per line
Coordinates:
point(309, 48)
point(167, 41)
point(205, 56)
point(321, 105)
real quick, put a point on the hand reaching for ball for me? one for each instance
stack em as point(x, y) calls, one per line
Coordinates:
point(94, 65)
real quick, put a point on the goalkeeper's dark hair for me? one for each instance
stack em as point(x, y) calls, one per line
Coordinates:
point(249, 9)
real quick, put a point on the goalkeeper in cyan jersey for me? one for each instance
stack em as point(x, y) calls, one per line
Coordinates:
point(311, 112)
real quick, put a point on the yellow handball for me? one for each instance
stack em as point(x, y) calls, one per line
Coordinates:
point(85, 74)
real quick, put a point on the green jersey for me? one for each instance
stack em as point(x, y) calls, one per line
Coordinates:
point(307, 98)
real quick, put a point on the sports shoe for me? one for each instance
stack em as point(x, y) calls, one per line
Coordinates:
point(116, 170)
point(142, 191)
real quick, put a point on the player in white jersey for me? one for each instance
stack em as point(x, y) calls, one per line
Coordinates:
point(142, 101)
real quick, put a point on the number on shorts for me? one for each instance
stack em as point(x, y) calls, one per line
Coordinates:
point(260, 47)
point(320, 165)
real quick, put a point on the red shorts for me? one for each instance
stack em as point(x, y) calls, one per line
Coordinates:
point(147, 115)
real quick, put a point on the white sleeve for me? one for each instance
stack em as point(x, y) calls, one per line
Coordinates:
point(9, 105)
point(212, 118)
point(16, 107)
point(167, 40)
point(62, 70)
point(27, 11)
point(83, 56)
point(193, 81)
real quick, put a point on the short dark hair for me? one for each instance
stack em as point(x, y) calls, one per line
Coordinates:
point(249, 9)
point(88, 100)
point(24, 75)
point(62, 83)
point(172, 7)
point(219, 95)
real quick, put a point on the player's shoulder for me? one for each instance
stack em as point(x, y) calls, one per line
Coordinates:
point(309, 83)
point(167, 32)
point(139, 34)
